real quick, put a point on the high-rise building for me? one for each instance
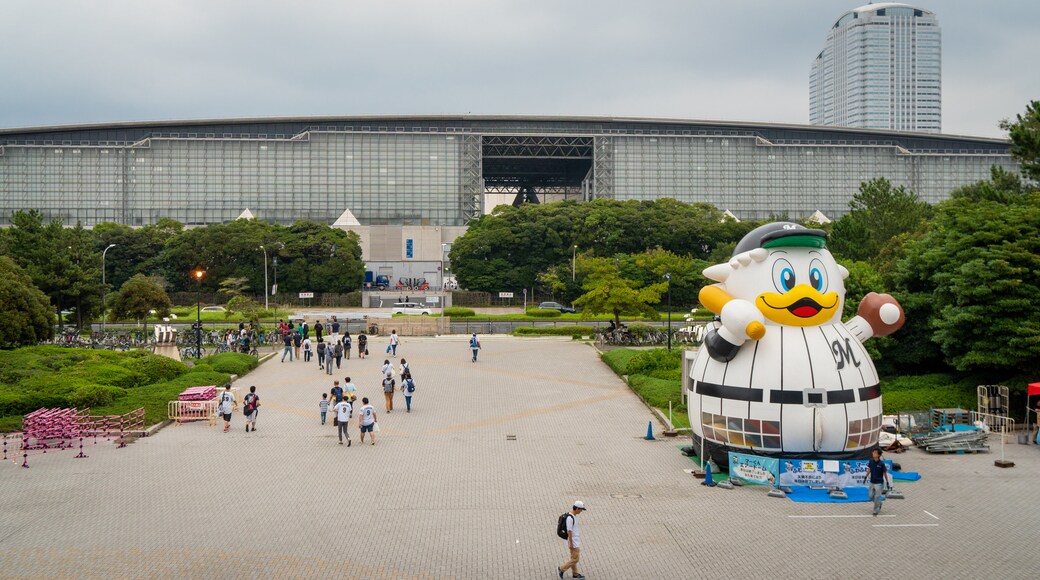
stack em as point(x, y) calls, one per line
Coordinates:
point(880, 68)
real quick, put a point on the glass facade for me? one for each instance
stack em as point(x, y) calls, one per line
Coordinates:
point(428, 170)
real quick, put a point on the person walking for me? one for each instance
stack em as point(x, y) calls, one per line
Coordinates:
point(343, 414)
point(394, 341)
point(297, 341)
point(338, 352)
point(287, 340)
point(334, 327)
point(573, 541)
point(367, 420)
point(306, 329)
point(226, 405)
point(388, 392)
point(336, 392)
point(329, 357)
point(474, 345)
point(251, 408)
point(347, 343)
point(349, 390)
point(307, 350)
point(318, 329)
point(321, 353)
point(408, 388)
point(362, 345)
point(404, 370)
point(323, 406)
point(388, 369)
point(877, 472)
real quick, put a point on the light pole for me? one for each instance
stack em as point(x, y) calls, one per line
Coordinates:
point(266, 291)
point(198, 315)
point(574, 252)
point(104, 289)
point(668, 277)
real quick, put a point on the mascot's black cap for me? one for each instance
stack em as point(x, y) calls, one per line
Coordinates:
point(779, 235)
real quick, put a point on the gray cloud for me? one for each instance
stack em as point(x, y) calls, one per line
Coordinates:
point(78, 62)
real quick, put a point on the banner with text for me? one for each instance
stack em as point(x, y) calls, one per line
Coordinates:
point(825, 472)
point(753, 469)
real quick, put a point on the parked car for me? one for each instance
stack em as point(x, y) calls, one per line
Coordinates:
point(411, 308)
point(214, 309)
point(556, 306)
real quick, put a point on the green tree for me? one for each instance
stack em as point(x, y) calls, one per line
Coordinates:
point(606, 291)
point(138, 296)
point(246, 307)
point(878, 213)
point(971, 280)
point(1025, 139)
point(25, 310)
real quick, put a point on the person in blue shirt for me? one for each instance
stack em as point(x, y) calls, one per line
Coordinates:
point(877, 474)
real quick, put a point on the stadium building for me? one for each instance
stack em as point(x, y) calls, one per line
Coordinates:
point(409, 185)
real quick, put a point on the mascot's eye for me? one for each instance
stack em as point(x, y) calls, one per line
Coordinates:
point(783, 276)
point(818, 276)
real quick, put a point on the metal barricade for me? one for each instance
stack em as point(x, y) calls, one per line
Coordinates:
point(994, 424)
point(184, 411)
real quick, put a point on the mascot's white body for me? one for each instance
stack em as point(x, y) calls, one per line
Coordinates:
point(780, 374)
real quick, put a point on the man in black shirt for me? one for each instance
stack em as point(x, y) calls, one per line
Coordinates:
point(877, 473)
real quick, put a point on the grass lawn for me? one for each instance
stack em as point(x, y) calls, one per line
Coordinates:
point(106, 382)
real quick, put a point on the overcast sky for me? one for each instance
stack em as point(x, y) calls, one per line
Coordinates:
point(67, 62)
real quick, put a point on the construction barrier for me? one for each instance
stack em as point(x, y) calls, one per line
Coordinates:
point(184, 411)
point(58, 429)
point(995, 424)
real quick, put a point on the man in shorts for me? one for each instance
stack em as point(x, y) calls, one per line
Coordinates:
point(225, 405)
point(367, 419)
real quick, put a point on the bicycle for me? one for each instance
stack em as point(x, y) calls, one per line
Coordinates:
point(192, 352)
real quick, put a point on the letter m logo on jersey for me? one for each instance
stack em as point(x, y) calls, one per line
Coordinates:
point(843, 353)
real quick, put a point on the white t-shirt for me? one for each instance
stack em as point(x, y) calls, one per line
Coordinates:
point(574, 529)
point(393, 339)
point(388, 370)
point(227, 402)
point(343, 410)
point(368, 415)
point(306, 344)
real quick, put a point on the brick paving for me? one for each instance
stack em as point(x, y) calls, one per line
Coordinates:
point(444, 494)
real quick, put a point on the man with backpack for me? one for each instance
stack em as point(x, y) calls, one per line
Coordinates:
point(251, 408)
point(321, 353)
point(474, 345)
point(567, 528)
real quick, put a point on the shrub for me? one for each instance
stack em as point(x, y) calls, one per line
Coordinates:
point(95, 396)
point(619, 358)
point(459, 312)
point(232, 363)
point(543, 313)
point(553, 331)
point(658, 363)
point(157, 368)
point(202, 367)
point(111, 375)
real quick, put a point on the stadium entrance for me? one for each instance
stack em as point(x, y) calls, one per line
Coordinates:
point(522, 169)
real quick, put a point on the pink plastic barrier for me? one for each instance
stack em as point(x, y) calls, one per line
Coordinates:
point(198, 394)
point(57, 429)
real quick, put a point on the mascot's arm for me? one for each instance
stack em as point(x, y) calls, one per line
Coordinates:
point(740, 321)
point(878, 315)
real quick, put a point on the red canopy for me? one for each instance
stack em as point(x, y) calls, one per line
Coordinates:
point(1034, 389)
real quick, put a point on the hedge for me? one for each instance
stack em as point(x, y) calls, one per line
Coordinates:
point(459, 312)
point(553, 331)
point(543, 313)
point(232, 363)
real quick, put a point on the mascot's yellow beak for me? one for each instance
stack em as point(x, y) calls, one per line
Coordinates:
point(802, 306)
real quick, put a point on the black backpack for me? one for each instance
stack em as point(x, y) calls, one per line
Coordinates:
point(561, 526)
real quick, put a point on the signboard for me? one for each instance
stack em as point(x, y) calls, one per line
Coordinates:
point(433, 299)
point(505, 294)
point(754, 469)
point(408, 248)
point(274, 289)
point(306, 294)
point(815, 472)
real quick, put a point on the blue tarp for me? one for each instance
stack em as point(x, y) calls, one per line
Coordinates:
point(804, 494)
point(906, 475)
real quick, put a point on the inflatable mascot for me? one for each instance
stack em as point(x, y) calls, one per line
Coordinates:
point(779, 374)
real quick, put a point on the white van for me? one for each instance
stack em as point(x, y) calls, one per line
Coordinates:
point(410, 308)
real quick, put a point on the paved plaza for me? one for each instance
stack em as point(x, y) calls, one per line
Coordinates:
point(470, 484)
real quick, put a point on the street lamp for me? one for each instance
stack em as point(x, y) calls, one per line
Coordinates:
point(104, 289)
point(266, 291)
point(668, 277)
point(574, 252)
point(198, 314)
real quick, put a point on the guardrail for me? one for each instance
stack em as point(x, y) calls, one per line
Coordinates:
point(184, 411)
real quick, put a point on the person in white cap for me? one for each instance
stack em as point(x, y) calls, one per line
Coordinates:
point(573, 540)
